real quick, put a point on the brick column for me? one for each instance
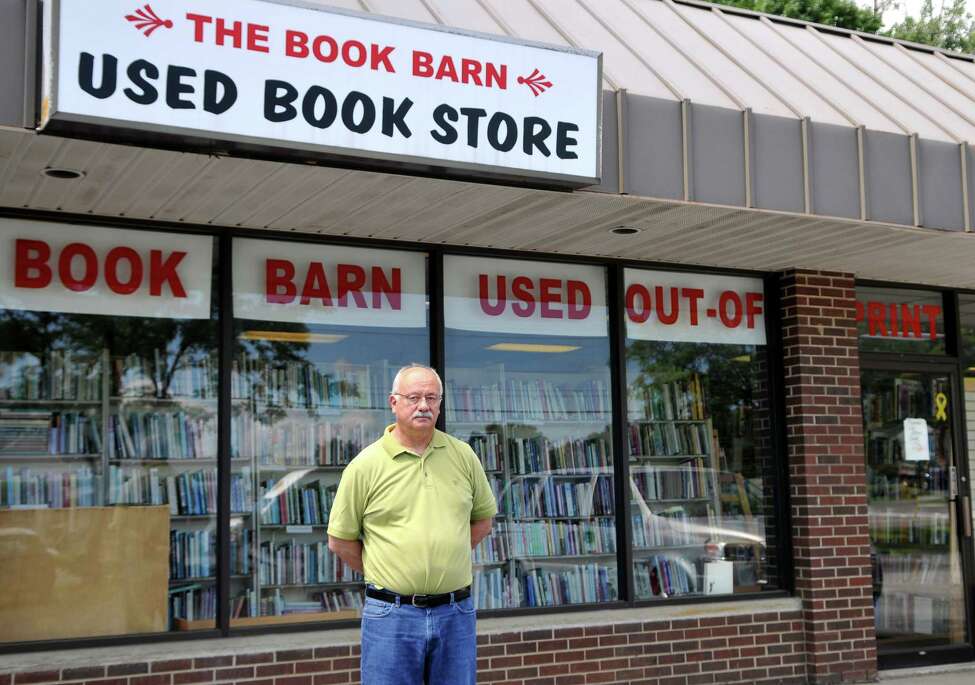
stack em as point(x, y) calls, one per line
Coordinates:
point(831, 543)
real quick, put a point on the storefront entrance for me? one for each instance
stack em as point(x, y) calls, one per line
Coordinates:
point(918, 527)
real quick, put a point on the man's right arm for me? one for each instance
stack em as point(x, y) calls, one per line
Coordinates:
point(349, 551)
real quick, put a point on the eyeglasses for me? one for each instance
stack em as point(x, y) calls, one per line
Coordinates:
point(413, 400)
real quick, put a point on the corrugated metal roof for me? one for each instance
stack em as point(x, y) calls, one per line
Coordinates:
point(726, 57)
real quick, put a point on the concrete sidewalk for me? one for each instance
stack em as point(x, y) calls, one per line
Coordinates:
point(954, 674)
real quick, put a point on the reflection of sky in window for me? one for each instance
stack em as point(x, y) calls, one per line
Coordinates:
point(469, 347)
point(360, 345)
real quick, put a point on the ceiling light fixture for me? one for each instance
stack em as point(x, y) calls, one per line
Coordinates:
point(293, 336)
point(62, 174)
point(625, 230)
point(531, 347)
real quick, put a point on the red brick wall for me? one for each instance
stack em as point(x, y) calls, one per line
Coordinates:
point(831, 546)
point(757, 649)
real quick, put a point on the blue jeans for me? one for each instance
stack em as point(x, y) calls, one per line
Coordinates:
point(406, 645)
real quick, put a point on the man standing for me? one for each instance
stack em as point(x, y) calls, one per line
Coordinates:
point(419, 500)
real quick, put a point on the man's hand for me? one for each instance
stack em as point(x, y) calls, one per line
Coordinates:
point(349, 551)
point(480, 530)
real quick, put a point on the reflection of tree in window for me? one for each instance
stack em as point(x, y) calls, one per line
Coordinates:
point(728, 379)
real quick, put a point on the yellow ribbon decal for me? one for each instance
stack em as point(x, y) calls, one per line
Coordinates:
point(941, 400)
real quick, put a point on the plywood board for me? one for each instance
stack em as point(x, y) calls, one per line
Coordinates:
point(70, 573)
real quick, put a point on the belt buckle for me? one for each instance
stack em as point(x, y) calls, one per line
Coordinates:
point(422, 601)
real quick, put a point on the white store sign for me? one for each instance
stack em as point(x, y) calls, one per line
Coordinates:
point(328, 284)
point(686, 307)
point(52, 267)
point(315, 78)
point(533, 298)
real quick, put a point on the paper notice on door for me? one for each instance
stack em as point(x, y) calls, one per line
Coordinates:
point(916, 447)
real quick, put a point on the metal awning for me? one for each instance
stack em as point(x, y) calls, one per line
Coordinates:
point(731, 140)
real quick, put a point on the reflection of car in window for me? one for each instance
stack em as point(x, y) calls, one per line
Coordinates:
point(680, 519)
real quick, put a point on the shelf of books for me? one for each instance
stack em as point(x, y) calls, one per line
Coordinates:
point(543, 439)
point(295, 425)
point(675, 502)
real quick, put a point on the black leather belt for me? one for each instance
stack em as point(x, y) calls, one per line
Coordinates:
point(421, 601)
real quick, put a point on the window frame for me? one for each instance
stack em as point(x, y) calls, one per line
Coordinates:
point(614, 269)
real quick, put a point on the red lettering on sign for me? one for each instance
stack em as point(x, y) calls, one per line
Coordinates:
point(198, 22)
point(351, 279)
point(933, 311)
point(422, 64)
point(579, 299)
point(316, 285)
point(692, 295)
point(66, 263)
point(30, 263)
point(753, 307)
point(279, 287)
point(472, 72)
point(875, 319)
point(354, 53)
point(638, 312)
point(161, 272)
point(257, 37)
point(663, 316)
point(549, 294)
point(731, 318)
point(486, 307)
point(521, 289)
point(232, 31)
point(78, 268)
point(898, 319)
point(112, 259)
point(322, 55)
point(910, 321)
point(392, 290)
point(295, 44)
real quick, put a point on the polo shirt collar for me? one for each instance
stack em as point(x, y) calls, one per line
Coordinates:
point(394, 448)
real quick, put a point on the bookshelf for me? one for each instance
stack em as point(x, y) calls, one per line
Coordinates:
point(295, 425)
point(675, 501)
point(541, 431)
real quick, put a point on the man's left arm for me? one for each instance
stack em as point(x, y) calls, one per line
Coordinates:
point(484, 506)
point(480, 530)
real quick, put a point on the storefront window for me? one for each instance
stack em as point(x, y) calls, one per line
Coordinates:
point(904, 321)
point(108, 435)
point(320, 333)
point(701, 486)
point(528, 387)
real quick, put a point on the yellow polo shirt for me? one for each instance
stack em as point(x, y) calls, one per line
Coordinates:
point(413, 513)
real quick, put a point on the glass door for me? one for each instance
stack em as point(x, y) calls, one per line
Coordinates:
point(915, 531)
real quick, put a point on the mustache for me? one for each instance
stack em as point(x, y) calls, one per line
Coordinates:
point(423, 414)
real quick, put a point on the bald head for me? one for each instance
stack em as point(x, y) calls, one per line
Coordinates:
point(414, 372)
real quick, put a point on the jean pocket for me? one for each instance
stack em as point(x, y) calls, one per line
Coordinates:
point(374, 608)
point(465, 606)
